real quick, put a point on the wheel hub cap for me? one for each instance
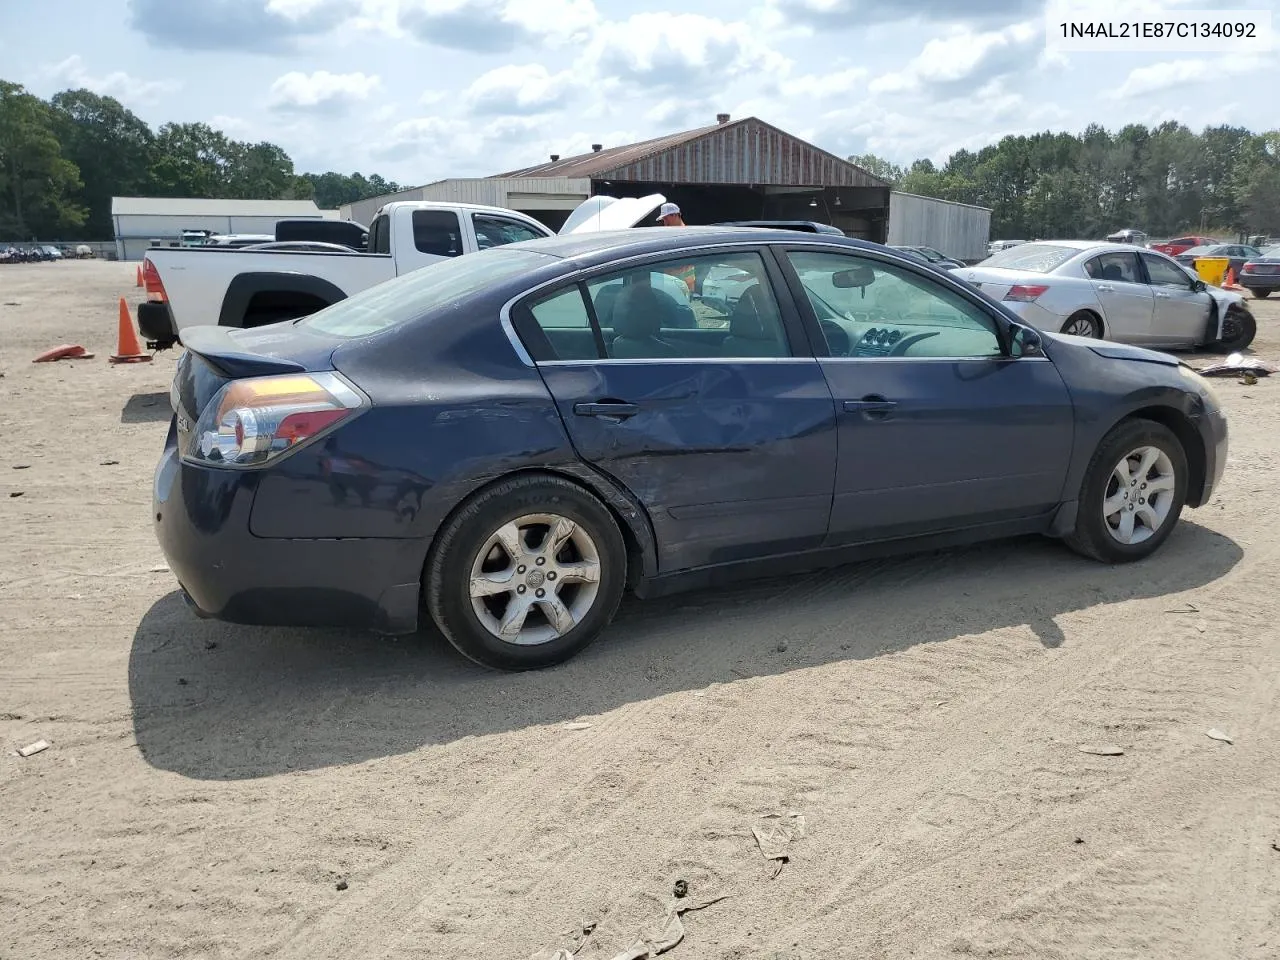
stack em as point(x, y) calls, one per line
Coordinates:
point(1139, 495)
point(534, 579)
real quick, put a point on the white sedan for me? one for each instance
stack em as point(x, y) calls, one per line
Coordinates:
point(1113, 291)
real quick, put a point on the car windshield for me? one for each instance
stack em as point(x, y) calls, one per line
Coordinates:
point(410, 296)
point(1271, 251)
point(1032, 257)
point(1202, 251)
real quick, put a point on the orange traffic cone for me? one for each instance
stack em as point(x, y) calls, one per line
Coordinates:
point(129, 350)
point(1230, 282)
point(139, 283)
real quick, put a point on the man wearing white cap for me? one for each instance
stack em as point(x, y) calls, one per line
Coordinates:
point(669, 216)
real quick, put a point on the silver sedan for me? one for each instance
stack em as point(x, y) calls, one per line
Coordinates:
point(1113, 291)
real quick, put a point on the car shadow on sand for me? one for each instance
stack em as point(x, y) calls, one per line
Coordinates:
point(214, 701)
point(146, 408)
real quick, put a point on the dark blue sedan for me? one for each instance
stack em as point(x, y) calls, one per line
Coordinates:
point(511, 439)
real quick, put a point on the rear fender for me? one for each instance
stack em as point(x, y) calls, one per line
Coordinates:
point(245, 286)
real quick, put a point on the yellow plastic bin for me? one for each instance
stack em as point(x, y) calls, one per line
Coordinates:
point(1212, 270)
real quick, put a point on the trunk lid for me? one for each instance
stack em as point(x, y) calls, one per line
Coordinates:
point(216, 355)
point(995, 282)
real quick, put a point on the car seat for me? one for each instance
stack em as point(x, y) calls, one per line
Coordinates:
point(753, 327)
point(1112, 271)
point(637, 321)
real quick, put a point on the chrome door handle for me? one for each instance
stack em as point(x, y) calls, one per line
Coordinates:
point(872, 407)
point(1106, 286)
point(1163, 296)
point(606, 409)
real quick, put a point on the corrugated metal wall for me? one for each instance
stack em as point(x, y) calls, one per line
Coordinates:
point(747, 153)
point(488, 192)
point(134, 233)
point(955, 229)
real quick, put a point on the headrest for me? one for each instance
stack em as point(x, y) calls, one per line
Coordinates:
point(747, 319)
point(638, 312)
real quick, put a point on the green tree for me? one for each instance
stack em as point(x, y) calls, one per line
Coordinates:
point(37, 183)
point(878, 167)
point(112, 148)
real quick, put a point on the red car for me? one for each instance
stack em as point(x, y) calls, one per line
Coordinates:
point(1181, 244)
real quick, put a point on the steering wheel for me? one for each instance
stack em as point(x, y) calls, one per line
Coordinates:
point(900, 348)
point(837, 338)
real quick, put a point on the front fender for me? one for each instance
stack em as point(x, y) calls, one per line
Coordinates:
point(1222, 300)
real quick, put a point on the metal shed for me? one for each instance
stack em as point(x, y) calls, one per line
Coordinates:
point(549, 199)
point(139, 221)
point(732, 170)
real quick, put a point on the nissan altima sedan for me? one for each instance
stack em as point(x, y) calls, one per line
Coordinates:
point(506, 442)
point(1114, 291)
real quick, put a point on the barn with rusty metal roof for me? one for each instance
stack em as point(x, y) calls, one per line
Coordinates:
point(733, 170)
point(730, 170)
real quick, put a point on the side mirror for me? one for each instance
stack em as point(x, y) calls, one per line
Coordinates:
point(854, 278)
point(1025, 342)
point(1199, 286)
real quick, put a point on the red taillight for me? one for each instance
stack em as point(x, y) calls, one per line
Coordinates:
point(1249, 268)
point(1025, 292)
point(151, 280)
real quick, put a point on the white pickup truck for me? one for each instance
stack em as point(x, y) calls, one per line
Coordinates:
point(200, 286)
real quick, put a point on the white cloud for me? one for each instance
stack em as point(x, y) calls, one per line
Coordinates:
point(840, 83)
point(231, 126)
point(519, 89)
point(1171, 74)
point(320, 92)
point(496, 26)
point(72, 72)
point(680, 52)
point(858, 14)
point(965, 57)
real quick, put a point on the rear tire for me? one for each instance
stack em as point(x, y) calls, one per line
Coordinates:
point(1082, 323)
point(1262, 294)
point(1119, 521)
point(551, 600)
point(1238, 331)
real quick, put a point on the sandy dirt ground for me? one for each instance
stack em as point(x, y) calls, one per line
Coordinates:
point(209, 788)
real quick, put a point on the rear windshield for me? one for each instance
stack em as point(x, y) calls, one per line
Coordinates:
point(1032, 257)
point(414, 294)
point(1201, 251)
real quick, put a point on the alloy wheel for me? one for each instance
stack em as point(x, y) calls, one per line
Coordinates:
point(1139, 495)
point(535, 579)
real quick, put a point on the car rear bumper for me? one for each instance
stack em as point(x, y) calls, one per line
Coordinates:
point(1259, 281)
point(201, 519)
point(155, 323)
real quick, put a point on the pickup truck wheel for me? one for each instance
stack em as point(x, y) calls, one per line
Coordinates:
point(527, 574)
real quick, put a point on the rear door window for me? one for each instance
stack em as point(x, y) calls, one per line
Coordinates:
point(380, 235)
point(1114, 268)
point(437, 232)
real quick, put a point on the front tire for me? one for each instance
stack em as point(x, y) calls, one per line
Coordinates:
point(1082, 323)
point(527, 574)
point(1132, 495)
point(1238, 330)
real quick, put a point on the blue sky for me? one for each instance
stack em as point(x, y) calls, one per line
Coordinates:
point(420, 90)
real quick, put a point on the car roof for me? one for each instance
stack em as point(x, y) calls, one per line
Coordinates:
point(618, 244)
